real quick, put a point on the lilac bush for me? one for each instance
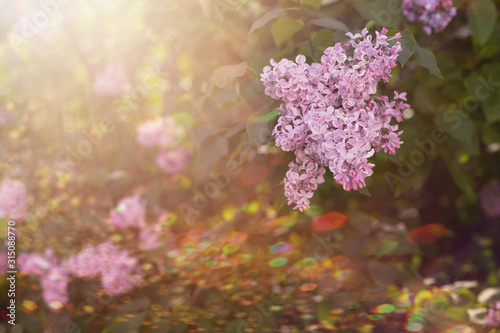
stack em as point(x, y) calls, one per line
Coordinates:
point(331, 116)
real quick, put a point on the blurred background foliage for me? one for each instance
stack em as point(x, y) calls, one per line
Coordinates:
point(410, 253)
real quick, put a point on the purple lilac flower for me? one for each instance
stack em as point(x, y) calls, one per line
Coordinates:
point(490, 199)
point(112, 80)
point(13, 199)
point(173, 160)
point(330, 116)
point(117, 269)
point(433, 14)
point(54, 277)
point(492, 318)
point(130, 212)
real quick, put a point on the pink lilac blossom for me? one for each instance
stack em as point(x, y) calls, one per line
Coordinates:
point(173, 160)
point(330, 116)
point(112, 80)
point(118, 270)
point(130, 212)
point(162, 132)
point(490, 199)
point(492, 318)
point(149, 237)
point(165, 133)
point(13, 199)
point(433, 14)
point(54, 277)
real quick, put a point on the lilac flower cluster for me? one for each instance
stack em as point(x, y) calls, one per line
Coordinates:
point(118, 270)
point(13, 199)
point(53, 275)
point(131, 212)
point(330, 115)
point(490, 199)
point(165, 134)
point(433, 14)
point(492, 318)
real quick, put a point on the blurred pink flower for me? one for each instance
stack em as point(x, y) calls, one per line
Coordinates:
point(118, 270)
point(13, 199)
point(54, 279)
point(85, 263)
point(492, 318)
point(162, 132)
point(112, 80)
point(433, 14)
point(55, 287)
point(149, 237)
point(173, 160)
point(130, 212)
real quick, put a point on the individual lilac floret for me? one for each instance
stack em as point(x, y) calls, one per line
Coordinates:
point(54, 277)
point(13, 199)
point(118, 270)
point(492, 318)
point(433, 14)
point(130, 212)
point(490, 199)
point(330, 116)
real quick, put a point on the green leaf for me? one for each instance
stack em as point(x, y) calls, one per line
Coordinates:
point(266, 19)
point(490, 135)
point(324, 37)
point(427, 59)
point(330, 23)
point(267, 116)
point(461, 180)
point(258, 127)
point(210, 151)
point(483, 85)
point(482, 16)
point(381, 247)
point(365, 191)
point(491, 110)
point(283, 29)
point(409, 46)
point(460, 128)
point(224, 76)
point(385, 13)
point(313, 3)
